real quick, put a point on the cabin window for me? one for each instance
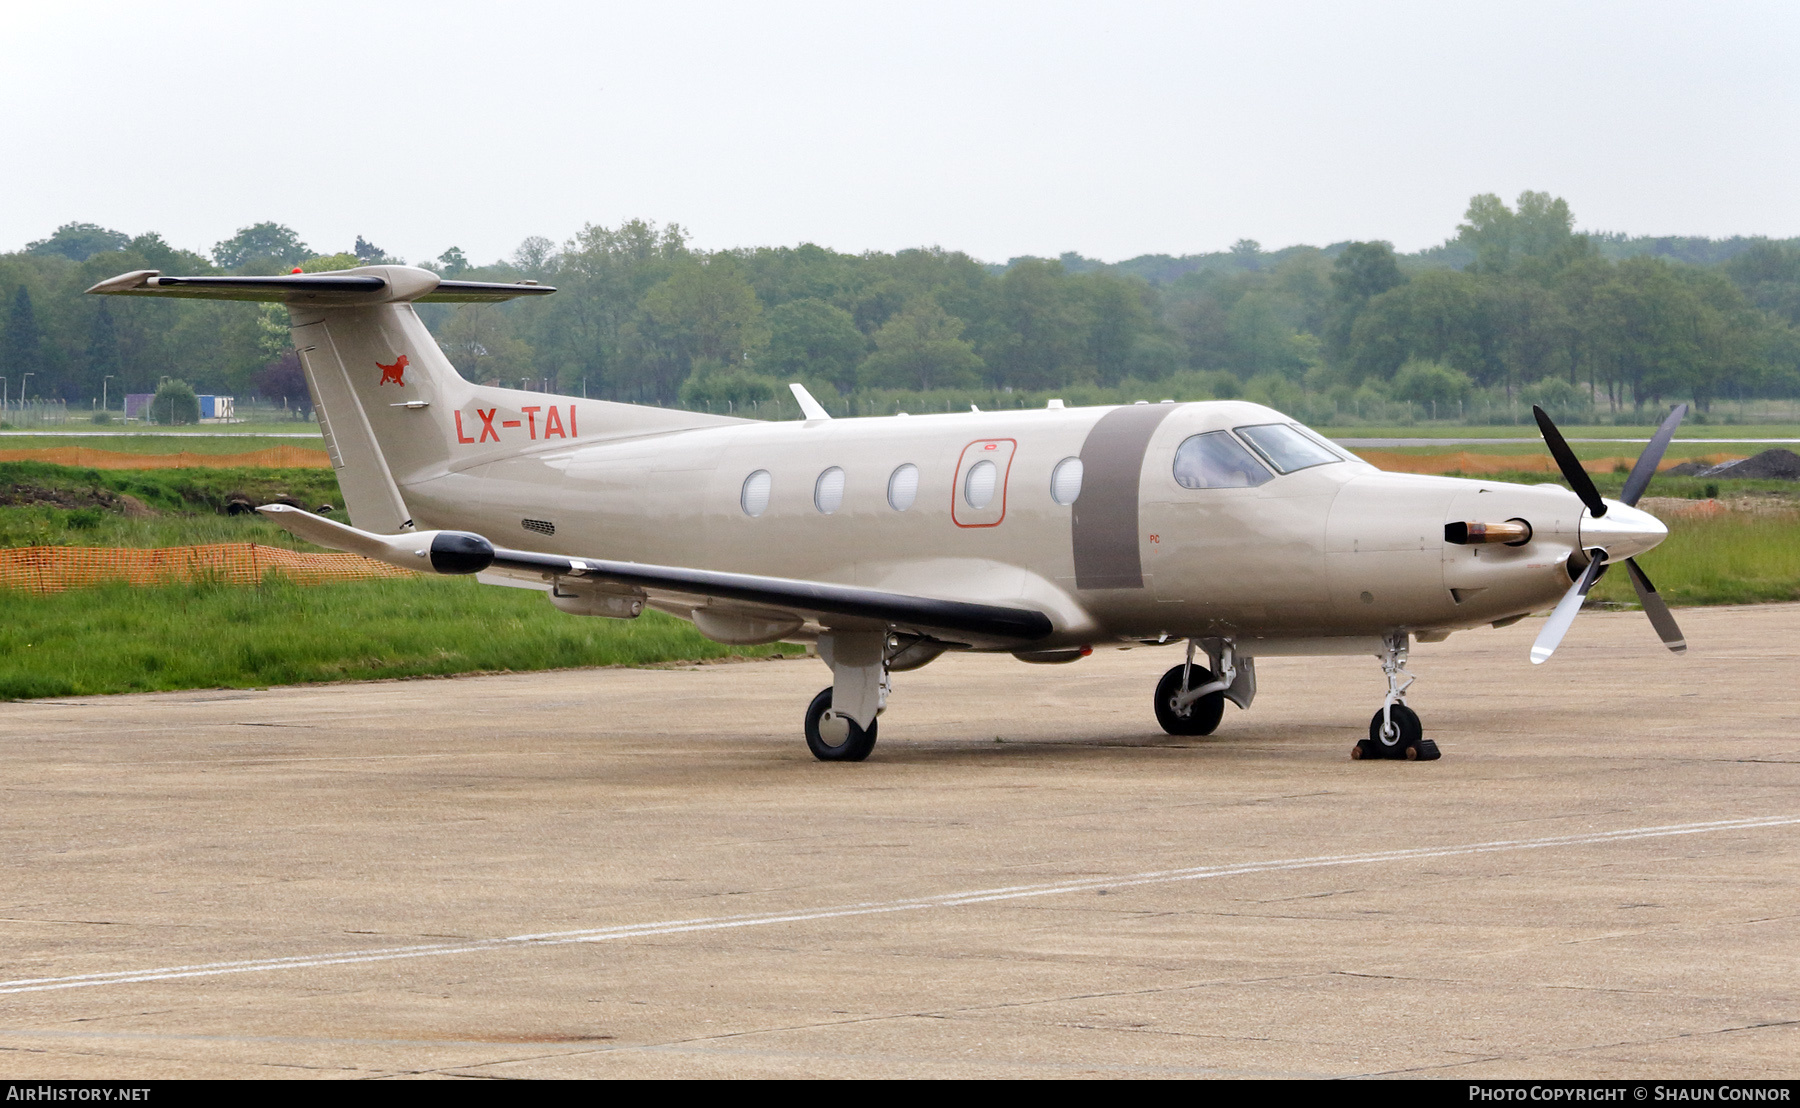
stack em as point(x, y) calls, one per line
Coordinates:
point(903, 487)
point(1285, 447)
point(978, 486)
point(1215, 460)
point(828, 490)
point(1065, 481)
point(755, 497)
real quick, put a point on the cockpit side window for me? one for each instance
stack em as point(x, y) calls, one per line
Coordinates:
point(1215, 460)
point(1286, 448)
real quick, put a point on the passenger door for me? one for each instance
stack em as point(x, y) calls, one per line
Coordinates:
point(979, 496)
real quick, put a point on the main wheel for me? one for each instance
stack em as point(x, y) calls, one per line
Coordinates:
point(1399, 738)
point(1199, 718)
point(836, 739)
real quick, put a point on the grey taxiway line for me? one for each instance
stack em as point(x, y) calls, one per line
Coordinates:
point(642, 872)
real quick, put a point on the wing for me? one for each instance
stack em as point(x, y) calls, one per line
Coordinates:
point(461, 552)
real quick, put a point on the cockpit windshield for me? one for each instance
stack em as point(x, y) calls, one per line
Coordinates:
point(1215, 460)
point(1286, 447)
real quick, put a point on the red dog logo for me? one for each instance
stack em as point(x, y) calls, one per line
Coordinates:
point(392, 372)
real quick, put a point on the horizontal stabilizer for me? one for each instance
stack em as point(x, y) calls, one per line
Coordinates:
point(462, 552)
point(374, 284)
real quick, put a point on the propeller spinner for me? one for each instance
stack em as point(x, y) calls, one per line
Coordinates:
point(1612, 530)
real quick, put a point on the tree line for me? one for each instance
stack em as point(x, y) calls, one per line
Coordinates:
point(1516, 307)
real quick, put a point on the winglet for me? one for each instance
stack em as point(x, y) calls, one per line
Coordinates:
point(420, 551)
point(136, 279)
point(333, 535)
point(809, 407)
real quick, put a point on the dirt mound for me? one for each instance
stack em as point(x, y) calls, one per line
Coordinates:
point(1777, 465)
point(40, 496)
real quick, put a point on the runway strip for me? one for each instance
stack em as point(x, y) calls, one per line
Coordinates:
point(943, 900)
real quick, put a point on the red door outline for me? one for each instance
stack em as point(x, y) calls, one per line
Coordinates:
point(956, 483)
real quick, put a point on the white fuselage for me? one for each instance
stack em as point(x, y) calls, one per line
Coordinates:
point(1334, 550)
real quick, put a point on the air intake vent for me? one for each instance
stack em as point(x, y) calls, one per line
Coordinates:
point(541, 526)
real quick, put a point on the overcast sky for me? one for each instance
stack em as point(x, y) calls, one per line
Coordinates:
point(1000, 129)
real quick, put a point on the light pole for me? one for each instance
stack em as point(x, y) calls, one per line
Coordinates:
point(3, 388)
point(23, 381)
point(103, 382)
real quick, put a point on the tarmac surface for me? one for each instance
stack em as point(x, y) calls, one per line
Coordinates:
point(643, 873)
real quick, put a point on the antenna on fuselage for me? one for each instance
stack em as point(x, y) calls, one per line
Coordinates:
point(809, 407)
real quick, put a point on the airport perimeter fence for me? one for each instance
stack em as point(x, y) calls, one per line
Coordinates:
point(56, 568)
point(40, 413)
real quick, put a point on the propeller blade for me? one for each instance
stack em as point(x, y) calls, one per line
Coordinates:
point(1566, 461)
point(1649, 460)
point(1566, 610)
point(1656, 609)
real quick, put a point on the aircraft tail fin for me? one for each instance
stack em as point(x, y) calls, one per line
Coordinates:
point(393, 410)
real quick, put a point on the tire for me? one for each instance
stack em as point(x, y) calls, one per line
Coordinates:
point(1201, 717)
point(1407, 733)
point(824, 742)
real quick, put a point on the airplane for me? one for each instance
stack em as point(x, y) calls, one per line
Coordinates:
point(886, 542)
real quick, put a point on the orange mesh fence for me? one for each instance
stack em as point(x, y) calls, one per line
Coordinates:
point(1464, 462)
point(54, 568)
point(276, 457)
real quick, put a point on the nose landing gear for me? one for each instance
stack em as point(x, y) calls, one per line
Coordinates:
point(1395, 732)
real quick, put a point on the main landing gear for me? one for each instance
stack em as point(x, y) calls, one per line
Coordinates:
point(840, 721)
point(1190, 699)
point(1395, 732)
point(835, 738)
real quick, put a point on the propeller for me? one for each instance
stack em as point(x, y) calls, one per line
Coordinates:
point(1635, 483)
point(1567, 609)
point(1566, 461)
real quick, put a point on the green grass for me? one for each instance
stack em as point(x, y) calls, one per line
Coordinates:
point(1733, 558)
point(39, 526)
point(185, 506)
point(1727, 558)
point(120, 639)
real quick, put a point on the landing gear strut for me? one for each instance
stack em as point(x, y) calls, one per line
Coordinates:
point(840, 721)
point(1395, 732)
point(1190, 699)
point(836, 738)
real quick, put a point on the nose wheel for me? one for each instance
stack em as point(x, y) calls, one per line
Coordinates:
point(1396, 732)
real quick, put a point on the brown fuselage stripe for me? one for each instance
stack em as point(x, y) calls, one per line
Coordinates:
point(1104, 524)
